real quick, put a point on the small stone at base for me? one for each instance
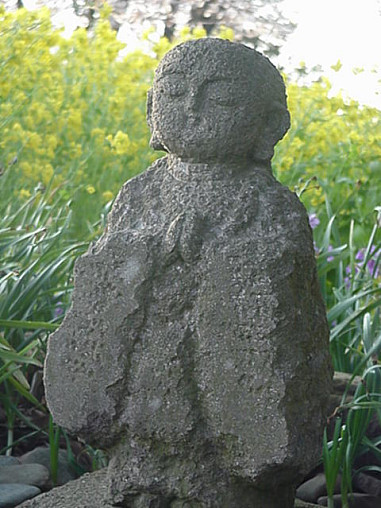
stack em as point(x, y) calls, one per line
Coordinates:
point(303, 504)
point(12, 494)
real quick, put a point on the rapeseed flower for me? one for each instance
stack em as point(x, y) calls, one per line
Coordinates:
point(69, 118)
point(120, 142)
point(25, 194)
point(107, 195)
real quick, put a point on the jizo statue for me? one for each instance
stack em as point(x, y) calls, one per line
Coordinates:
point(196, 348)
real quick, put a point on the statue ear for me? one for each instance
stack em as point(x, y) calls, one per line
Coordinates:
point(276, 124)
point(149, 108)
point(154, 141)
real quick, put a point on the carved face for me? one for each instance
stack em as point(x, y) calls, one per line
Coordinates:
point(205, 105)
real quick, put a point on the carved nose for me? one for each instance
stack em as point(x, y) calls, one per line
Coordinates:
point(191, 102)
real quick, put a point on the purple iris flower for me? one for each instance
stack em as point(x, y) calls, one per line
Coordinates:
point(360, 255)
point(330, 258)
point(373, 264)
point(372, 260)
point(314, 220)
point(59, 310)
point(371, 267)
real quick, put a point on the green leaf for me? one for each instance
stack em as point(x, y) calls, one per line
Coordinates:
point(11, 356)
point(342, 306)
point(28, 325)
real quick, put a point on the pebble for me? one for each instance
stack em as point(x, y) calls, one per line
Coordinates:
point(368, 484)
point(314, 488)
point(12, 494)
point(304, 504)
point(359, 501)
point(41, 455)
point(8, 461)
point(20, 478)
point(27, 474)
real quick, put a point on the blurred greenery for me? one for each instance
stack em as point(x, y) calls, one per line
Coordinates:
point(73, 130)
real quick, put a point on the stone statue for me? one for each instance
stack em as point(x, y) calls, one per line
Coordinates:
point(196, 348)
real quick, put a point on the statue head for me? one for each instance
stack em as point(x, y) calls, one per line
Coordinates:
point(214, 100)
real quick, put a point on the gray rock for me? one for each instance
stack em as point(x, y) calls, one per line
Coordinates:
point(8, 461)
point(41, 455)
point(340, 383)
point(368, 484)
point(314, 488)
point(304, 504)
point(12, 494)
point(196, 348)
point(29, 474)
point(357, 501)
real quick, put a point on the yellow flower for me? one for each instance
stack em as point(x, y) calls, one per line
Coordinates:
point(185, 32)
point(297, 144)
point(357, 70)
point(17, 128)
point(74, 121)
point(47, 173)
point(98, 134)
point(318, 197)
point(105, 11)
point(20, 96)
point(286, 163)
point(34, 141)
point(51, 141)
point(108, 195)
point(24, 194)
point(30, 121)
point(162, 47)
point(79, 177)
point(26, 169)
point(199, 32)
point(147, 33)
point(338, 65)
point(75, 150)
point(121, 142)
point(226, 33)
point(58, 105)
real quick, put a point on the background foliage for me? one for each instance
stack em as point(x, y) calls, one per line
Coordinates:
point(73, 130)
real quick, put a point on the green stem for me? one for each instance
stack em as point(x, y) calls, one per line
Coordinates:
point(54, 440)
point(9, 440)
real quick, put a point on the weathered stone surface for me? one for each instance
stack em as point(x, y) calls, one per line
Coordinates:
point(196, 347)
point(90, 491)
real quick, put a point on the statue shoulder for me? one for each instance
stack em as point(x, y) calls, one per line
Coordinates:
point(131, 199)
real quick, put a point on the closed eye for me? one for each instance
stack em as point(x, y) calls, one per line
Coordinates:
point(172, 85)
point(221, 92)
